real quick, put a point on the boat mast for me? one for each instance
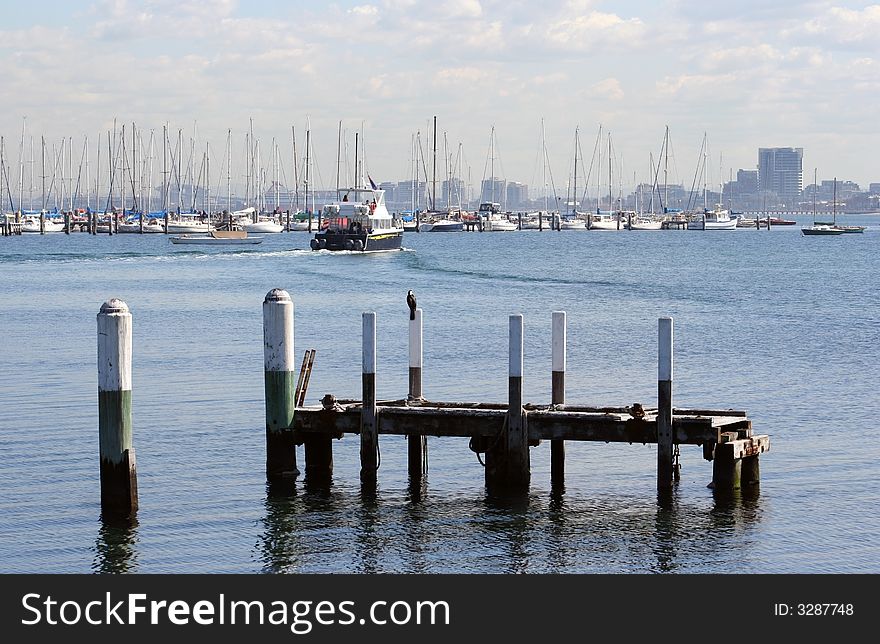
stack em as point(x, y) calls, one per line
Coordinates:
point(306, 173)
point(815, 187)
point(296, 174)
point(544, 165)
point(574, 190)
point(21, 166)
point(434, 170)
point(207, 179)
point(610, 191)
point(666, 171)
point(338, 156)
point(492, 166)
point(229, 173)
point(43, 171)
point(834, 204)
point(355, 184)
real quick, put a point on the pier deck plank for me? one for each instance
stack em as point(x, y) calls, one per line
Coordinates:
point(465, 420)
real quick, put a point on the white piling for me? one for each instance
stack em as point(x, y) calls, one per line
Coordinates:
point(279, 384)
point(369, 429)
point(119, 493)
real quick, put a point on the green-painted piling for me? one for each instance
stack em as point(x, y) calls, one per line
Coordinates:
point(280, 385)
point(119, 493)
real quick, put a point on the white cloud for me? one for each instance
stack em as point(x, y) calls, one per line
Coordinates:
point(609, 88)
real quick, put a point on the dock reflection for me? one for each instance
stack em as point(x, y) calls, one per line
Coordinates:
point(115, 545)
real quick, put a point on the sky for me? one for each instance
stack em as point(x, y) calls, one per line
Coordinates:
point(747, 74)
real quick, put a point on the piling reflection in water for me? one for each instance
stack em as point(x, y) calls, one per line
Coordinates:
point(369, 530)
point(115, 545)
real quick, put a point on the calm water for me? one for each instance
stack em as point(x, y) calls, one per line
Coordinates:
point(781, 325)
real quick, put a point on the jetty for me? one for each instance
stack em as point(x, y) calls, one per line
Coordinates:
point(500, 433)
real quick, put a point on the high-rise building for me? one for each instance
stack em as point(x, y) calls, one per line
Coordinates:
point(411, 193)
point(493, 189)
point(780, 171)
point(747, 182)
point(517, 194)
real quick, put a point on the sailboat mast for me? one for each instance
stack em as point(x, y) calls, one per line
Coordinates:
point(666, 171)
point(355, 184)
point(834, 203)
point(434, 170)
point(229, 172)
point(610, 191)
point(338, 156)
point(575, 179)
point(815, 187)
point(544, 165)
point(21, 167)
point(296, 174)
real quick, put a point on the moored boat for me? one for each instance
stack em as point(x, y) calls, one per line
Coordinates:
point(217, 238)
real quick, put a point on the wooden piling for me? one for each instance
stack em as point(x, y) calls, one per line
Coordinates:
point(726, 468)
point(369, 430)
point(750, 471)
point(557, 396)
point(417, 445)
point(279, 385)
point(507, 460)
point(519, 221)
point(664, 404)
point(119, 495)
point(42, 223)
point(67, 223)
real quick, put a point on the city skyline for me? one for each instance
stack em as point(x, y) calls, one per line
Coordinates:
point(794, 74)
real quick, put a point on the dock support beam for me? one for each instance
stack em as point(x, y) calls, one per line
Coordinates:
point(417, 446)
point(664, 404)
point(119, 493)
point(557, 396)
point(369, 429)
point(507, 462)
point(279, 379)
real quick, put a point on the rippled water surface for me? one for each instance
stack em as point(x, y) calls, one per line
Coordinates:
point(781, 325)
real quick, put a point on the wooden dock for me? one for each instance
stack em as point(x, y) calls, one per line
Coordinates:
point(501, 434)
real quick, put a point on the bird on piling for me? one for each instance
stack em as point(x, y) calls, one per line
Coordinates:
point(411, 302)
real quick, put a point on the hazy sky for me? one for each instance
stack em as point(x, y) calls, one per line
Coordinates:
point(749, 73)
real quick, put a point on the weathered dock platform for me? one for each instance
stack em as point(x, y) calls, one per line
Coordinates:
point(502, 433)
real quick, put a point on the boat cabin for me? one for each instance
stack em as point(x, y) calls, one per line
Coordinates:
point(489, 208)
point(360, 211)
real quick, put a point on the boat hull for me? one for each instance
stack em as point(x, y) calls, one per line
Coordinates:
point(372, 242)
point(215, 241)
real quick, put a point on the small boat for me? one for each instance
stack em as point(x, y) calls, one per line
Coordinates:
point(572, 223)
point(264, 226)
point(644, 222)
point(493, 219)
point(821, 229)
point(444, 225)
point(150, 226)
point(360, 222)
point(779, 221)
point(32, 225)
point(217, 238)
point(824, 227)
point(605, 220)
point(717, 219)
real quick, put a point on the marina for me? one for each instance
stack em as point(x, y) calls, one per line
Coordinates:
point(783, 348)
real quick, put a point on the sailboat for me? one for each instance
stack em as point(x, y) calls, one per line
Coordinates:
point(490, 211)
point(819, 227)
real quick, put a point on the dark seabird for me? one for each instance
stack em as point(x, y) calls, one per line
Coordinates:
point(411, 302)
